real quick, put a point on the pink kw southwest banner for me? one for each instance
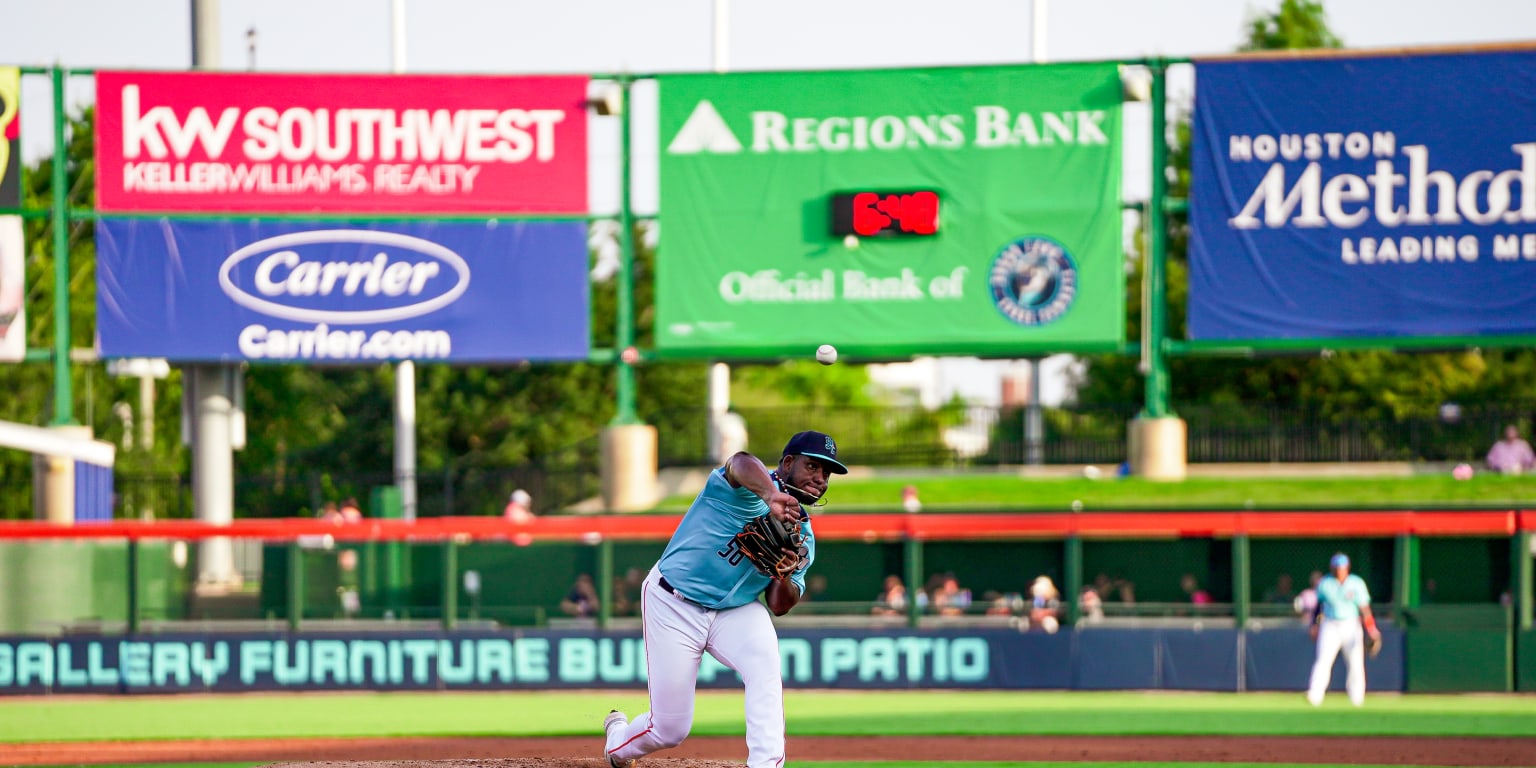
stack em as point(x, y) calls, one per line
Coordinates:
point(264, 143)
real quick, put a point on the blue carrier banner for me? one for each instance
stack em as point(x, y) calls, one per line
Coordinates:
point(335, 292)
point(1364, 197)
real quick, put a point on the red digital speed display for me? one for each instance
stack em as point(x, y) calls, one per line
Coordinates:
point(885, 214)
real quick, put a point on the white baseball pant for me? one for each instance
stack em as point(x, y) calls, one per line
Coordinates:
point(677, 633)
point(1333, 636)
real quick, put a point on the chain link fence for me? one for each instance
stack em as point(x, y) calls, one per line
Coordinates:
point(954, 436)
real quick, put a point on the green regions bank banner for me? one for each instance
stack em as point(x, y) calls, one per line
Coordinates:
point(898, 212)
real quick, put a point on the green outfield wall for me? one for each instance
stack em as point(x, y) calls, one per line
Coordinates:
point(50, 586)
point(1461, 624)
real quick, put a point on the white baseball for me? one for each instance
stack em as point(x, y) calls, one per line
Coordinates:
point(826, 354)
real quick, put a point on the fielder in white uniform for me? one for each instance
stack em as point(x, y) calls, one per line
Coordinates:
point(703, 596)
point(1343, 605)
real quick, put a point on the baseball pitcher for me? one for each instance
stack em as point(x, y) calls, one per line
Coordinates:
point(1343, 611)
point(747, 535)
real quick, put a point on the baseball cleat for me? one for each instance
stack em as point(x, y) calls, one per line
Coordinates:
point(614, 724)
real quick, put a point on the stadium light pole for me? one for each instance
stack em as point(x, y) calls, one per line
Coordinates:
point(1037, 31)
point(719, 377)
point(208, 389)
point(1034, 418)
point(405, 370)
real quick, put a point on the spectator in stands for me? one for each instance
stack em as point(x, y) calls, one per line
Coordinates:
point(621, 604)
point(634, 579)
point(950, 599)
point(1090, 607)
point(1191, 587)
point(1512, 455)
point(519, 507)
point(582, 599)
point(331, 513)
point(1282, 592)
point(1306, 602)
point(998, 604)
point(1115, 588)
point(1045, 604)
point(350, 512)
point(909, 500)
point(347, 587)
point(892, 600)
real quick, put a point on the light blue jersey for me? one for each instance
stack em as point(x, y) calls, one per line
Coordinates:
point(1342, 600)
point(702, 562)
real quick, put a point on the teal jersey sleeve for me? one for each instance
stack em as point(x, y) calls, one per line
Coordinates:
point(1343, 600)
point(702, 561)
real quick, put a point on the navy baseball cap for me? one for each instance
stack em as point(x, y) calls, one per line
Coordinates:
point(817, 445)
point(1340, 560)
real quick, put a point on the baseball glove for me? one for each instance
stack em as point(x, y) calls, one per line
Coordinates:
point(775, 548)
point(1372, 645)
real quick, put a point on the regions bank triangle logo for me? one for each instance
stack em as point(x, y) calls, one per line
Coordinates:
point(704, 131)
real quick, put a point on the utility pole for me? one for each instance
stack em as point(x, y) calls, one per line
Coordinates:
point(405, 370)
point(719, 389)
point(208, 389)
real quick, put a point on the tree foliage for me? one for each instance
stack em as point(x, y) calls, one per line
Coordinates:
point(1372, 385)
point(333, 423)
point(1295, 25)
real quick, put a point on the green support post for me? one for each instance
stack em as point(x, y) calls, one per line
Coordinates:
point(450, 583)
point(1405, 574)
point(1521, 573)
point(133, 586)
point(604, 583)
point(914, 558)
point(1156, 395)
point(295, 587)
point(1072, 576)
point(394, 578)
point(1242, 581)
point(369, 590)
point(387, 504)
point(63, 393)
point(624, 320)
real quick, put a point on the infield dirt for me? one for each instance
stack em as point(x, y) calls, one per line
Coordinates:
point(730, 752)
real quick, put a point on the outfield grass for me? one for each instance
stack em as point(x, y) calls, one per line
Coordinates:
point(808, 713)
point(992, 491)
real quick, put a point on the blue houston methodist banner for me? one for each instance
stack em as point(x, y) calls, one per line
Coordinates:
point(1364, 197)
point(329, 292)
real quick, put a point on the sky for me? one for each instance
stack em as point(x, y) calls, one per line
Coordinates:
point(655, 36)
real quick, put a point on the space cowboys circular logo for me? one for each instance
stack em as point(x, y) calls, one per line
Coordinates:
point(1033, 280)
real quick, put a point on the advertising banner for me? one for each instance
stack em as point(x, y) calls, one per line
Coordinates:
point(845, 658)
point(954, 211)
point(333, 292)
point(1389, 196)
point(10, 137)
point(169, 663)
point(13, 290)
point(203, 141)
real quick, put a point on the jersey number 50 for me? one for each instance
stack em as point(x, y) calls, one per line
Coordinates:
point(732, 552)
